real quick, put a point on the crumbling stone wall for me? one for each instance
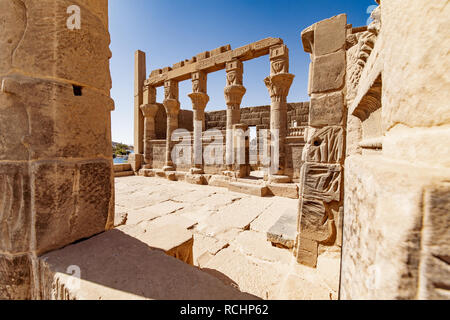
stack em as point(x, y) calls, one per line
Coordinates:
point(56, 179)
point(321, 200)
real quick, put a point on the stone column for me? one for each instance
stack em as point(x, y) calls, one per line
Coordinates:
point(241, 145)
point(234, 92)
point(278, 83)
point(199, 101)
point(172, 106)
point(56, 177)
point(136, 159)
point(149, 109)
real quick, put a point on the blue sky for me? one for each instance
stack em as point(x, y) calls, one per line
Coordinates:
point(169, 31)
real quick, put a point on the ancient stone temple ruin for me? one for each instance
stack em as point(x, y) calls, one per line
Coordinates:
point(155, 122)
point(366, 162)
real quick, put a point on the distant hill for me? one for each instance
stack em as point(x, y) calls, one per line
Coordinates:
point(128, 147)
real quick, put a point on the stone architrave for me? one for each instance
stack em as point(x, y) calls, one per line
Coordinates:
point(278, 83)
point(199, 100)
point(234, 92)
point(172, 107)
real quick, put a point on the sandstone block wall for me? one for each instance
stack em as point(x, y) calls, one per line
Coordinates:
point(56, 181)
point(259, 116)
point(396, 222)
point(321, 201)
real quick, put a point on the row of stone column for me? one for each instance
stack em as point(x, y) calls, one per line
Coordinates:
point(278, 84)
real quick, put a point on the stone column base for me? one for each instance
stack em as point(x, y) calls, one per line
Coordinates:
point(168, 168)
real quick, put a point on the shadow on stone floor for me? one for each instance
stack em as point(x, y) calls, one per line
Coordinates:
point(114, 265)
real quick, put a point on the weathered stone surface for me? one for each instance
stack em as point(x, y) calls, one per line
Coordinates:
point(325, 145)
point(15, 208)
point(115, 266)
point(136, 161)
point(219, 181)
point(195, 179)
point(272, 213)
point(328, 72)
point(288, 190)
point(237, 215)
point(172, 238)
point(118, 167)
point(434, 272)
point(248, 188)
point(330, 35)
point(241, 272)
point(284, 231)
point(16, 277)
point(71, 201)
point(322, 182)
point(123, 174)
point(307, 252)
point(314, 220)
point(154, 211)
point(254, 244)
point(54, 123)
point(46, 32)
point(327, 110)
point(410, 99)
point(384, 200)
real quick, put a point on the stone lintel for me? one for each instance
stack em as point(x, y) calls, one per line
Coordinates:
point(211, 63)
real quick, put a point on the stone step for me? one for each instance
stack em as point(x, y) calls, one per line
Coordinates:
point(283, 232)
point(286, 190)
point(248, 188)
point(123, 174)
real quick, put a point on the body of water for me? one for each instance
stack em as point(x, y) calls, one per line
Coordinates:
point(120, 160)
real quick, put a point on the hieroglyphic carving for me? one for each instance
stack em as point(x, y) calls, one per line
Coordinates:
point(325, 145)
point(322, 182)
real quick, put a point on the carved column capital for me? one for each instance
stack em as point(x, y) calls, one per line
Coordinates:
point(149, 95)
point(172, 107)
point(279, 85)
point(199, 100)
point(235, 70)
point(234, 94)
point(279, 59)
point(199, 82)
point(171, 90)
point(149, 110)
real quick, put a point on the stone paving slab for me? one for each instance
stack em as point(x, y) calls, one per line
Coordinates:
point(230, 241)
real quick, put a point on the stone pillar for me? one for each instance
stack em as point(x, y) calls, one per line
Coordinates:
point(56, 177)
point(199, 101)
point(172, 106)
point(149, 109)
point(321, 196)
point(234, 92)
point(136, 159)
point(278, 83)
point(241, 145)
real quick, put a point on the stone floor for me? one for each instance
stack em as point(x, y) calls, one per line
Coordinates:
point(229, 231)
